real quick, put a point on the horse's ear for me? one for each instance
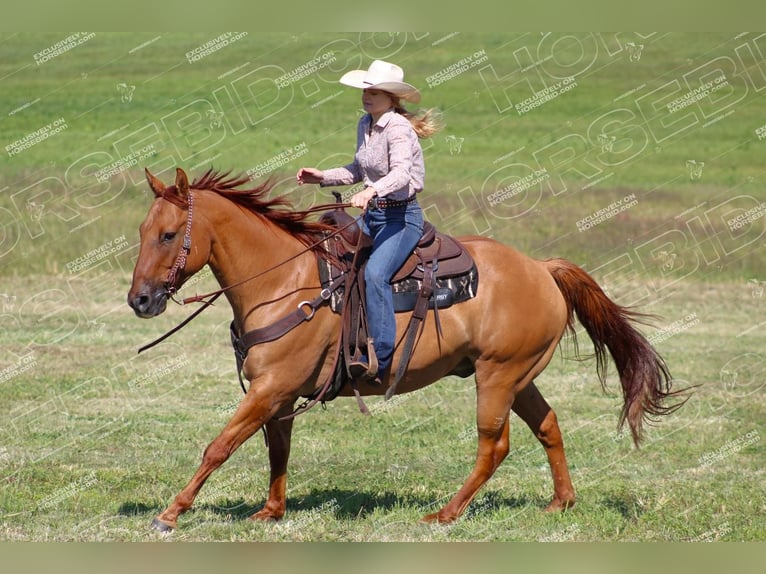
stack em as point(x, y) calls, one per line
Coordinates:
point(157, 186)
point(182, 183)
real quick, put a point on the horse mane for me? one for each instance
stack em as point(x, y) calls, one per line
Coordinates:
point(277, 210)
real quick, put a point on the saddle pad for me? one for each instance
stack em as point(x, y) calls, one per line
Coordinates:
point(448, 291)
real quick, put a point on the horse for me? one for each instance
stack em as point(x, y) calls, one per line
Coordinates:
point(263, 254)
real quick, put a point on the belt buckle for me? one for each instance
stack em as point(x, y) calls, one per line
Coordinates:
point(373, 203)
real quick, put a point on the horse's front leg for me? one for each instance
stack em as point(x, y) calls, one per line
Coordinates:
point(262, 402)
point(279, 434)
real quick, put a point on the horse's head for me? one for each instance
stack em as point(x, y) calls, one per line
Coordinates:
point(168, 253)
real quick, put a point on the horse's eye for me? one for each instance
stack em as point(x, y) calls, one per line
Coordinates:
point(168, 236)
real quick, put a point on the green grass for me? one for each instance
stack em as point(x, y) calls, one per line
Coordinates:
point(73, 213)
point(92, 446)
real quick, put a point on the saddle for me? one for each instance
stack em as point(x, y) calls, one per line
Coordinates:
point(438, 274)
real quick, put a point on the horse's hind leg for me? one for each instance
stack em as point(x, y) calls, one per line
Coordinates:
point(532, 408)
point(279, 434)
point(494, 397)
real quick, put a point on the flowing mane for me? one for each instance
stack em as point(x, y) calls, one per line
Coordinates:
point(277, 210)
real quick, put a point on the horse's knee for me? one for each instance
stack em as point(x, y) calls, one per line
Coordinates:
point(215, 455)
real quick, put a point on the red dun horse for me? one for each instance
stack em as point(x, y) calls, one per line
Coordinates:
point(506, 335)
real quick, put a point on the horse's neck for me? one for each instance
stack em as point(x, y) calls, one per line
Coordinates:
point(248, 246)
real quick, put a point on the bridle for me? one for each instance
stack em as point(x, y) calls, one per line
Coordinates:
point(283, 325)
point(180, 263)
point(171, 283)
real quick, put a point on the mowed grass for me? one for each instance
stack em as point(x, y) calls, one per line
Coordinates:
point(97, 440)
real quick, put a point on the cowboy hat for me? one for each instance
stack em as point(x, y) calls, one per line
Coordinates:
point(382, 76)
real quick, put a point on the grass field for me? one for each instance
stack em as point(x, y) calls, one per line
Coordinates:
point(647, 170)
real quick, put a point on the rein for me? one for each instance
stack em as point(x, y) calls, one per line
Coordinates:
point(208, 298)
point(323, 207)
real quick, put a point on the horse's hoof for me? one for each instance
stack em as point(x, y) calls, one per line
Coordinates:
point(265, 516)
point(435, 518)
point(557, 505)
point(160, 526)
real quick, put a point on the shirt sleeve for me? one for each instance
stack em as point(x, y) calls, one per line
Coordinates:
point(345, 175)
point(348, 174)
point(399, 160)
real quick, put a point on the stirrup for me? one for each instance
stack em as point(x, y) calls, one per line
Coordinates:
point(366, 371)
point(360, 373)
point(360, 370)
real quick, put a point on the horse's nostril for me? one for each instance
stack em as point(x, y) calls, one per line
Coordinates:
point(140, 302)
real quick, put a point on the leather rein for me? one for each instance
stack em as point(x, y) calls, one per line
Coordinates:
point(208, 299)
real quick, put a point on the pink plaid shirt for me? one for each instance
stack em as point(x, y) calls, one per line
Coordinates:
point(388, 158)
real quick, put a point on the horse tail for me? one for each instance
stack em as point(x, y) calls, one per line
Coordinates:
point(644, 376)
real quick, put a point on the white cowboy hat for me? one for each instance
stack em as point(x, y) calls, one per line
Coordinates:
point(382, 76)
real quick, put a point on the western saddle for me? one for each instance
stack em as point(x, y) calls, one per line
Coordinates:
point(439, 273)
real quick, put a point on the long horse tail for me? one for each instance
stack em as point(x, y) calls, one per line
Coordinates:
point(644, 375)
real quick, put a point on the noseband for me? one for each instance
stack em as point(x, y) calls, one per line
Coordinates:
point(171, 283)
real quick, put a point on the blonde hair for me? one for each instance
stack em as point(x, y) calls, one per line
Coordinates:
point(425, 122)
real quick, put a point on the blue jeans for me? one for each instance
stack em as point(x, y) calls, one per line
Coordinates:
point(395, 233)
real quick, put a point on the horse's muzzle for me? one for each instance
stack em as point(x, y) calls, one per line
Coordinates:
point(148, 303)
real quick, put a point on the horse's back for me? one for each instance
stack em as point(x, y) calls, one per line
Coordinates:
point(504, 267)
point(516, 292)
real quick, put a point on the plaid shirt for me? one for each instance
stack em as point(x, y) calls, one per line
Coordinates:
point(388, 158)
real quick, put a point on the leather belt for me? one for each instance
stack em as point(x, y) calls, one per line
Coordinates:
point(383, 203)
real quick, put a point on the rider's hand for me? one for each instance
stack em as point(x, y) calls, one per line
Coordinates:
point(309, 175)
point(362, 198)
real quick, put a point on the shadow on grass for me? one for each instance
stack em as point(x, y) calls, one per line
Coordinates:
point(625, 504)
point(345, 504)
point(137, 509)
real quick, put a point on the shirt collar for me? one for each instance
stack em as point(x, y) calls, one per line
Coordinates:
point(383, 119)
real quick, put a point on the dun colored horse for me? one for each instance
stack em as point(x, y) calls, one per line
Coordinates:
point(506, 334)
